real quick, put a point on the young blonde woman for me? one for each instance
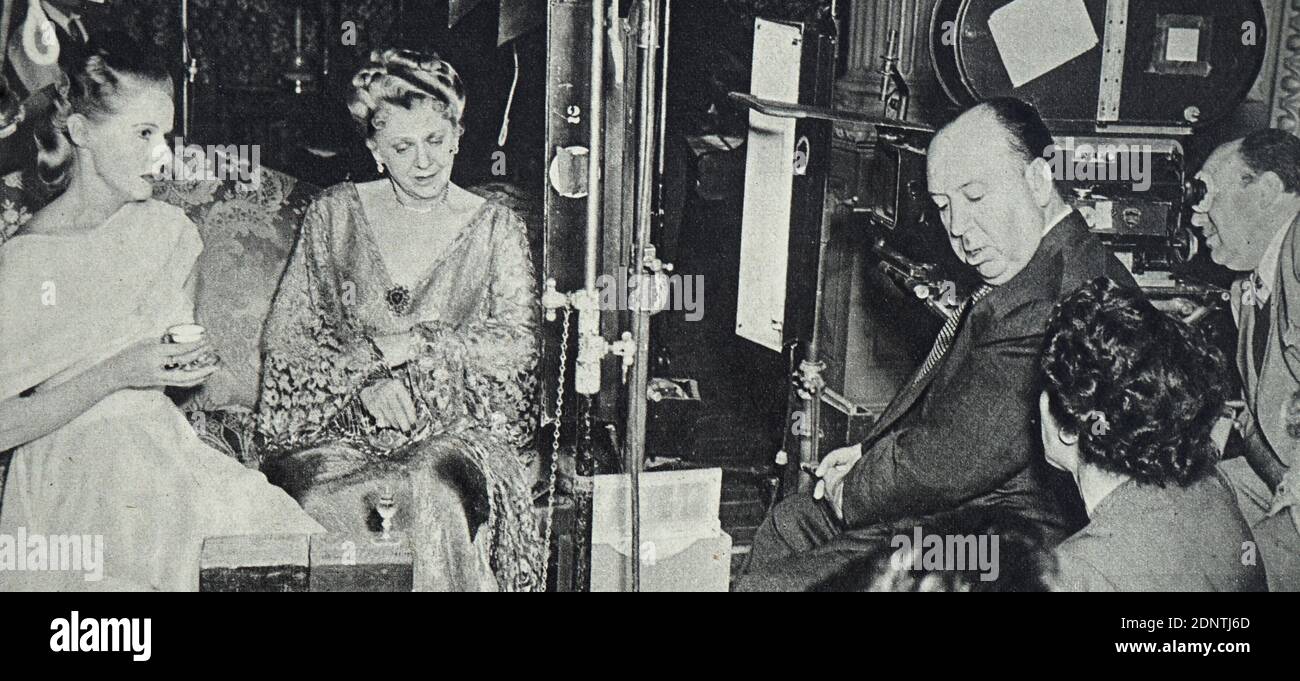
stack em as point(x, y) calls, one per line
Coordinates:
point(88, 289)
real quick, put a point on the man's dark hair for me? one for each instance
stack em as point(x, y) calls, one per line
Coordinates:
point(1026, 133)
point(1274, 151)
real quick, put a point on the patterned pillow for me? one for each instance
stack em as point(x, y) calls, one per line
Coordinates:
point(248, 230)
point(524, 204)
point(16, 205)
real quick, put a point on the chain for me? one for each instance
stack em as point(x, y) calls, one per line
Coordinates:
point(555, 443)
point(584, 452)
point(584, 469)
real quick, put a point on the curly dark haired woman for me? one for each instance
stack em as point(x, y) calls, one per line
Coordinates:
point(1131, 397)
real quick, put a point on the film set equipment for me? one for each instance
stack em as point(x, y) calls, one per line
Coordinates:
point(1121, 84)
point(605, 103)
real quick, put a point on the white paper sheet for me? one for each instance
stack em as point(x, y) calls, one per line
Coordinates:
point(1034, 37)
point(1183, 44)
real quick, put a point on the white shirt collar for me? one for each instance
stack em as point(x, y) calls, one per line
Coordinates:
point(1065, 213)
point(1267, 270)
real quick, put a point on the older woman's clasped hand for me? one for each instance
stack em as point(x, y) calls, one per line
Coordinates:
point(390, 403)
point(388, 400)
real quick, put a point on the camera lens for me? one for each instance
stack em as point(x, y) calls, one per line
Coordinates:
point(1194, 192)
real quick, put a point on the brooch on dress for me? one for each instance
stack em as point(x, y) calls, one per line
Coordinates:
point(398, 298)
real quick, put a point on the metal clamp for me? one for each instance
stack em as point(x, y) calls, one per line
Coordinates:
point(592, 346)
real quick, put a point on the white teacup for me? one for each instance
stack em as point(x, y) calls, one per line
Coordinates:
point(185, 333)
point(190, 333)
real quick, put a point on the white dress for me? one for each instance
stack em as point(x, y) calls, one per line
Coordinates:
point(131, 468)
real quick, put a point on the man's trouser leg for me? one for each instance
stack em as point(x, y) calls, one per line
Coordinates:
point(1276, 536)
point(797, 524)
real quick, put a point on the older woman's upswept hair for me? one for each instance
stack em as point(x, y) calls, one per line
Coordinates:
point(403, 78)
point(1141, 389)
point(97, 76)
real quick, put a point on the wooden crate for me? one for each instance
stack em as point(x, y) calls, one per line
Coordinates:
point(321, 562)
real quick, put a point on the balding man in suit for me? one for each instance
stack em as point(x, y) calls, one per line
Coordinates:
point(962, 436)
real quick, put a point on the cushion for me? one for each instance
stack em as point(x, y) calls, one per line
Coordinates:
point(248, 230)
point(16, 204)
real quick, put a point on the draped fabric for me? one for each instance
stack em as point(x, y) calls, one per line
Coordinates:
point(472, 319)
point(68, 302)
point(131, 468)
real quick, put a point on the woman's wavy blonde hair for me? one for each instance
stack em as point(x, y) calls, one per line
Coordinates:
point(402, 78)
point(97, 76)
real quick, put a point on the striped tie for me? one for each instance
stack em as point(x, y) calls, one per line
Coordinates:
point(947, 333)
point(1254, 291)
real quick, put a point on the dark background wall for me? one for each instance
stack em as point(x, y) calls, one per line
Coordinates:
point(243, 48)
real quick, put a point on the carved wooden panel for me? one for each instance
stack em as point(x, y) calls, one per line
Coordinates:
point(1285, 99)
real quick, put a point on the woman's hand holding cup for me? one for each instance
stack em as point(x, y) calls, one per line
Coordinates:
point(150, 363)
point(190, 334)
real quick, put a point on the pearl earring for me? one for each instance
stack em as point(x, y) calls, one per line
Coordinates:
point(379, 165)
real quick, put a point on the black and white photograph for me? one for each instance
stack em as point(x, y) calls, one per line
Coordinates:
point(651, 296)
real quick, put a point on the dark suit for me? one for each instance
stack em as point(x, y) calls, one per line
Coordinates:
point(965, 439)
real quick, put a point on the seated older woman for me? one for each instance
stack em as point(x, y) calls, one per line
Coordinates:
point(400, 348)
point(1131, 398)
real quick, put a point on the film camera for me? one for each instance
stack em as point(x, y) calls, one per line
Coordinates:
point(1121, 83)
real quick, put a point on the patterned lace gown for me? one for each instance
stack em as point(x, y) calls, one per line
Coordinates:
point(459, 477)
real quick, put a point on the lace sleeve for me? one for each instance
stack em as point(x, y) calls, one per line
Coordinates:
point(485, 369)
point(312, 365)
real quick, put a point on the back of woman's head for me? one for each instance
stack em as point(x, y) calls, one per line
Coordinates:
point(1141, 389)
point(99, 75)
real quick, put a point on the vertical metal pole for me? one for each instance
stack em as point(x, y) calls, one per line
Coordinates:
point(663, 99)
point(636, 396)
point(811, 366)
point(327, 20)
point(187, 75)
point(595, 119)
point(595, 197)
point(810, 369)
